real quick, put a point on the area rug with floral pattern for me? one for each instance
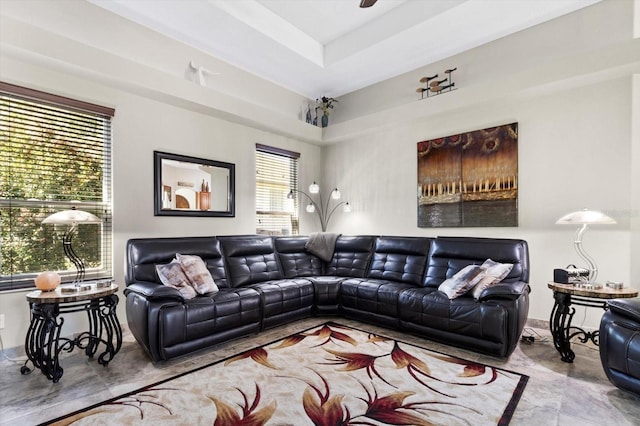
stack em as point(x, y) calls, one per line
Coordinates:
point(327, 375)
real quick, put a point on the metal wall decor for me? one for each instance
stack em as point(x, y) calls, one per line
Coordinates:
point(435, 85)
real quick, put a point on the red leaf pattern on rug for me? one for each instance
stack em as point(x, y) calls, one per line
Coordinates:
point(356, 361)
point(227, 415)
point(259, 355)
point(290, 341)
point(383, 381)
point(327, 333)
point(471, 369)
point(322, 408)
point(387, 410)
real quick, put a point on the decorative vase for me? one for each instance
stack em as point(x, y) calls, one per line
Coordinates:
point(47, 281)
point(325, 120)
point(308, 117)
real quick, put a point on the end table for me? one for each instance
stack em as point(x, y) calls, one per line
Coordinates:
point(43, 343)
point(566, 295)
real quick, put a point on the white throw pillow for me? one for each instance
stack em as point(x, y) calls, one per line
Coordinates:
point(462, 281)
point(494, 273)
point(197, 273)
point(172, 275)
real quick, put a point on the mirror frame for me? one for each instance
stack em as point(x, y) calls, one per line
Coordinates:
point(158, 158)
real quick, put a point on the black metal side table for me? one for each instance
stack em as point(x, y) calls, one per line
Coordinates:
point(43, 343)
point(562, 313)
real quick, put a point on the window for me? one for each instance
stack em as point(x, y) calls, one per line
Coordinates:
point(55, 154)
point(276, 176)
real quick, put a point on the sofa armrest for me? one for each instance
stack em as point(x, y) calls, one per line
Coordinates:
point(154, 291)
point(510, 291)
point(629, 308)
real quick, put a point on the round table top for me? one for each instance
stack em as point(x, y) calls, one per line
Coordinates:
point(57, 296)
point(601, 293)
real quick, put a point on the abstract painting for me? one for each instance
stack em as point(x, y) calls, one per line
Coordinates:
point(469, 179)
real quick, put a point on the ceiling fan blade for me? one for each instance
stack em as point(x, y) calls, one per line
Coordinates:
point(367, 3)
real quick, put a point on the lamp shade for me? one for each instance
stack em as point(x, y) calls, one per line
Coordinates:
point(71, 217)
point(585, 217)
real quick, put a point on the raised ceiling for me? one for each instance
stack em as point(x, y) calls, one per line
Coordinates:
point(333, 47)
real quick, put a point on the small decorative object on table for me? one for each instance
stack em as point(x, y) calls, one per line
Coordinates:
point(47, 281)
point(615, 284)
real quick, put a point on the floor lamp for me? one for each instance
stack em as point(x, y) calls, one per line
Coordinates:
point(322, 209)
point(74, 218)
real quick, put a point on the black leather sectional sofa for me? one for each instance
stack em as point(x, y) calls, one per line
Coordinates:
point(268, 281)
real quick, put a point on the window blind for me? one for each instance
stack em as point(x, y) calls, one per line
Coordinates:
point(55, 154)
point(276, 175)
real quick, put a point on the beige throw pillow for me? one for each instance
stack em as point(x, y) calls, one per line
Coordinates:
point(494, 272)
point(172, 275)
point(197, 273)
point(462, 281)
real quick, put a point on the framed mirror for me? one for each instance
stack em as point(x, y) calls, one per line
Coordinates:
point(189, 186)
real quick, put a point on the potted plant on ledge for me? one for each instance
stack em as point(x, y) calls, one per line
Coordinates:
point(325, 104)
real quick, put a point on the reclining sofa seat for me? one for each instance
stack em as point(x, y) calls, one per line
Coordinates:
point(266, 281)
point(168, 326)
point(396, 264)
point(252, 262)
point(620, 343)
point(494, 323)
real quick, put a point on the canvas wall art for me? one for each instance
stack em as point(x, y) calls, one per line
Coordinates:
point(469, 179)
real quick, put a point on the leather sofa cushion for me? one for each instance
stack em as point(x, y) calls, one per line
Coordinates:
point(432, 308)
point(401, 259)
point(450, 254)
point(351, 257)
point(629, 308)
point(327, 290)
point(623, 348)
point(620, 343)
point(206, 315)
point(295, 261)
point(285, 295)
point(250, 260)
point(145, 253)
point(371, 295)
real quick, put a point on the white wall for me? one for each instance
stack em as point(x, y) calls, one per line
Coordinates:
point(574, 150)
point(634, 211)
point(140, 126)
point(567, 83)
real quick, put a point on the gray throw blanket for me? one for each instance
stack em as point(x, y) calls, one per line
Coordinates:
point(322, 244)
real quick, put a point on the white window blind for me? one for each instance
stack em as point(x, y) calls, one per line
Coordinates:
point(55, 154)
point(276, 176)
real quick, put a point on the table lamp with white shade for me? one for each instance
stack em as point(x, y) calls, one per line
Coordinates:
point(73, 217)
point(584, 218)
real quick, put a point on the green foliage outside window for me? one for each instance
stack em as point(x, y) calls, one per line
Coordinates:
point(51, 159)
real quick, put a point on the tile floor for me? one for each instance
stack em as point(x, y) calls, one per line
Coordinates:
point(557, 393)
